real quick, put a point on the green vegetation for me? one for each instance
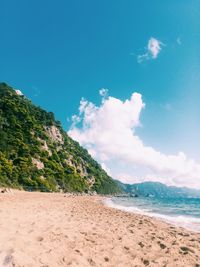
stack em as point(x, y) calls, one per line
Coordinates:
point(37, 154)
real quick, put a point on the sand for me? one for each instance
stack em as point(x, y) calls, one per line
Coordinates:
point(43, 229)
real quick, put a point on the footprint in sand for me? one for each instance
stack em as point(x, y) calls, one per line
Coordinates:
point(141, 244)
point(106, 259)
point(146, 262)
point(92, 263)
point(8, 259)
point(40, 238)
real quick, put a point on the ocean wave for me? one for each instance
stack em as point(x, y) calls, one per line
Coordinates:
point(187, 222)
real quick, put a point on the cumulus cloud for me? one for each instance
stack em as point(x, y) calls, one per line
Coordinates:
point(103, 166)
point(103, 92)
point(75, 120)
point(109, 133)
point(154, 47)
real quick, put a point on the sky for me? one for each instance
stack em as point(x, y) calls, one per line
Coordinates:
point(123, 77)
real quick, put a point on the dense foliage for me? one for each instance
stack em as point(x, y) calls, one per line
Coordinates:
point(25, 141)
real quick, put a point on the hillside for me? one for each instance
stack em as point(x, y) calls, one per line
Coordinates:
point(37, 154)
point(156, 189)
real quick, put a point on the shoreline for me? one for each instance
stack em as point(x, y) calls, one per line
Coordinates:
point(177, 221)
point(54, 229)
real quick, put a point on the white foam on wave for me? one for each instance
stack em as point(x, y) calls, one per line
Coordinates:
point(187, 222)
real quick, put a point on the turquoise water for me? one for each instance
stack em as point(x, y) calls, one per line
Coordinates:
point(183, 212)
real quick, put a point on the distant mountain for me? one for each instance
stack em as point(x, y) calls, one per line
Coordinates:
point(156, 189)
point(37, 154)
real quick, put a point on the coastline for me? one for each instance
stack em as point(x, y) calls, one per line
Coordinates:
point(51, 229)
point(189, 223)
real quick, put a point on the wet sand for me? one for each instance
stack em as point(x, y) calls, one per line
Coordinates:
point(50, 230)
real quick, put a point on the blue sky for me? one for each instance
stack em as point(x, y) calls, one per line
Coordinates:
point(57, 52)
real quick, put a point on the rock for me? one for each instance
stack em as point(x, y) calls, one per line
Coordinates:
point(54, 134)
point(39, 165)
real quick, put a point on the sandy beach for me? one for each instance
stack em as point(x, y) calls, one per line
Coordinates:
point(50, 230)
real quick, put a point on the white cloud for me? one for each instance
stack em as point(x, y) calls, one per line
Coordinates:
point(103, 92)
point(108, 131)
point(103, 165)
point(127, 178)
point(75, 120)
point(154, 47)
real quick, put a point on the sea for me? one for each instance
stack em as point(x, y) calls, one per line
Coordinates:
point(184, 212)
